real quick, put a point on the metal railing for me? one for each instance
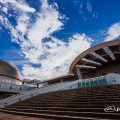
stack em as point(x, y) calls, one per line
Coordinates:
point(25, 95)
point(51, 88)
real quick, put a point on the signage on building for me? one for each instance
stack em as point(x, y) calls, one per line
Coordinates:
point(92, 83)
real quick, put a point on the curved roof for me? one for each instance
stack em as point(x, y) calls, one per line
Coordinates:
point(9, 70)
point(97, 56)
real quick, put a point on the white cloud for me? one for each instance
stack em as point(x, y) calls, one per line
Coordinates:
point(21, 5)
point(113, 32)
point(89, 6)
point(86, 10)
point(59, 57)
point(22, 23)
point(47, 22)
point(53, 55)
point(5, 9)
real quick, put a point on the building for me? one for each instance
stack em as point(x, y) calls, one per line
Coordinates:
point(11, 81)
point(89, 91)
point(96, 61)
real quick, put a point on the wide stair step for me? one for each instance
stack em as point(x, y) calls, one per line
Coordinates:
point(77, 104)
point(70, 116)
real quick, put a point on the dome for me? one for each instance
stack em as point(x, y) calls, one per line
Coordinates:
point(9, 70)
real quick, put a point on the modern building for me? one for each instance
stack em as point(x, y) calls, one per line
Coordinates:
point(11, 81)
point(89, 91)
point(96, 61)
point(9, 73)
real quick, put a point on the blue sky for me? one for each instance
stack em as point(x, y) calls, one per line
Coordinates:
point(43, 37)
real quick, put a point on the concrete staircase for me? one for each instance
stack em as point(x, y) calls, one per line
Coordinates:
point(76, 104)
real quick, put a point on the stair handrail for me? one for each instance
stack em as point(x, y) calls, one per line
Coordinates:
point(37, 91)
point(13, 99)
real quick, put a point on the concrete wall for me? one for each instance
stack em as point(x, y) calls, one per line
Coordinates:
point(4, 95)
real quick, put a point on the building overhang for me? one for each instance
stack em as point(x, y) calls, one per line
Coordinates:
point(96, 57)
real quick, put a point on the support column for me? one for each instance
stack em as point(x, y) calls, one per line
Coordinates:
point(61, 80)
point(79, 73)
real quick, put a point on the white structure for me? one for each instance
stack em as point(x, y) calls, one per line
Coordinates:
point(10, 79)
point(105, 80)
point(6, 79)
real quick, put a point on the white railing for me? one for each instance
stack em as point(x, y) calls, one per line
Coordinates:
point(111, 79)
point(9, 87)
point(25, 95)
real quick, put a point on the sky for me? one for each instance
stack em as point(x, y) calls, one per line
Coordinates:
point(43, 37)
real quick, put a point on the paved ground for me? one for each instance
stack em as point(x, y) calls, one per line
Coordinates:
point(5, 116)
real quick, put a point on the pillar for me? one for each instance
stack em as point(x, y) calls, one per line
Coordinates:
point(79, 73)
